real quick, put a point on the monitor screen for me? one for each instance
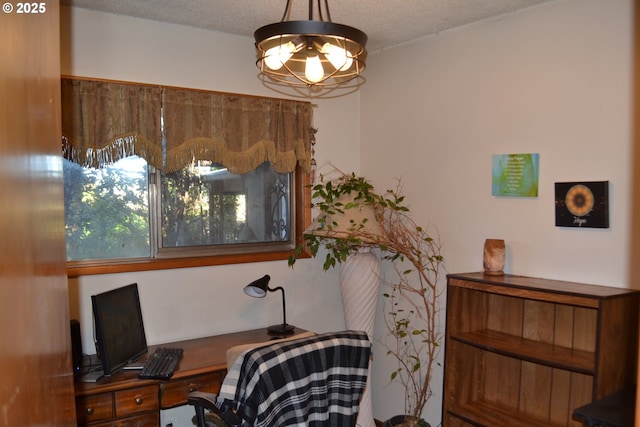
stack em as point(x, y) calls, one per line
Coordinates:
point(120, 337)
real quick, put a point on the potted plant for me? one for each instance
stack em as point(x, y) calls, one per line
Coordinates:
point(411, 303)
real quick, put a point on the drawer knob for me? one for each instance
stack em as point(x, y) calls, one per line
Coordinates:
point(192, 387)
point(139, 400)
point(89, 411)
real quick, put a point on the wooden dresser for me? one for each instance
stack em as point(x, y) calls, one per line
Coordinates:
point(125, 400)
point(527, 351)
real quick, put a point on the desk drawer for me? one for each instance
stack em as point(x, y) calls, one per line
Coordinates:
point(135, 400)
point(175, 393)
point(94, 408)
point(144, 420)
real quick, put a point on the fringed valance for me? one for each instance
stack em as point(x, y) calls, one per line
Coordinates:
point(106, 121)
point(102, 122)
point(239, 132)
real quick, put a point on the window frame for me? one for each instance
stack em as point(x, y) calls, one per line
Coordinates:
point(301, 217)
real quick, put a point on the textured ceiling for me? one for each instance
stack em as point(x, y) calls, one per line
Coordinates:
point(386, 22)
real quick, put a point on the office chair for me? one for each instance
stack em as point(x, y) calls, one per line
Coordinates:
point(311, 381)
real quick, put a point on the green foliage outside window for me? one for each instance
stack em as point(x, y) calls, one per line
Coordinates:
point(198, 211)
point(110, 212)
point(106, 212)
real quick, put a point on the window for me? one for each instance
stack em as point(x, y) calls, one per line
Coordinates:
point(110, 213)
point(205, 204)
point(107, 211)
point(135, 199)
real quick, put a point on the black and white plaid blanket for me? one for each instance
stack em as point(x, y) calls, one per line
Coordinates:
point(314, 381)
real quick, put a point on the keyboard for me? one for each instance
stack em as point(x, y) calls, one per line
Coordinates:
point(161, 364)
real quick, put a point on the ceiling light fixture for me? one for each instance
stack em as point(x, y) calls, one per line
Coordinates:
point(310, 53)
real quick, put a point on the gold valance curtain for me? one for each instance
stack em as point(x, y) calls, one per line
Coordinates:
point(239, 132)
point(105, 121)
point(102, 122)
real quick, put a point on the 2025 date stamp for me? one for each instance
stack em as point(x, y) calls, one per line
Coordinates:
point(20, 8)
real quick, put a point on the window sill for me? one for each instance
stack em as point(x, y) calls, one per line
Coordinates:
point(87, 268)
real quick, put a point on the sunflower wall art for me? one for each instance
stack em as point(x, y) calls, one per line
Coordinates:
point(582, 204)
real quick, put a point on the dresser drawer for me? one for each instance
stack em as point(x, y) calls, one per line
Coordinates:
point(151, 419)
point(135, 400)
point(94, 408)
point(175, 393)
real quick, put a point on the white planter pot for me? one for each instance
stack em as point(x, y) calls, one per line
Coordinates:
point(359, 285)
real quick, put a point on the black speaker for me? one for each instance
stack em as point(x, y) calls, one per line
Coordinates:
point(76, 348)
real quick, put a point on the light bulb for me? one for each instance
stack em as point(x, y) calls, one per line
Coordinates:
point(313, 70)
point(275, 57)
point(340, 58)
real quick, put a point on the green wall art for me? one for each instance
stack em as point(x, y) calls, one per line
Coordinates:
point(514, 175)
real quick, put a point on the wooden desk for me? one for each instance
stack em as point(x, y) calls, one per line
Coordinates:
point(126, 400)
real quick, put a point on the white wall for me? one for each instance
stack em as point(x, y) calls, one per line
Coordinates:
point(553, 79)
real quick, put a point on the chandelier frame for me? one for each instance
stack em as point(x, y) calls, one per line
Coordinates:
point(298, 42)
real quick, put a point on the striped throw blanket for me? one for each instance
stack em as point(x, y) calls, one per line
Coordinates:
point(314, 381)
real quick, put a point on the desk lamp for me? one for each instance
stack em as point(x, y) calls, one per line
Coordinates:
point(258, 289)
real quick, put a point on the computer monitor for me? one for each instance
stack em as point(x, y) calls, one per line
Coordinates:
point(120, 337)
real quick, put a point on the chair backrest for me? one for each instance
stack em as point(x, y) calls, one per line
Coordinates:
point(234, 352)
point(317, 380)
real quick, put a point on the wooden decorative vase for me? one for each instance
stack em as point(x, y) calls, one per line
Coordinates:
point(494, 256)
